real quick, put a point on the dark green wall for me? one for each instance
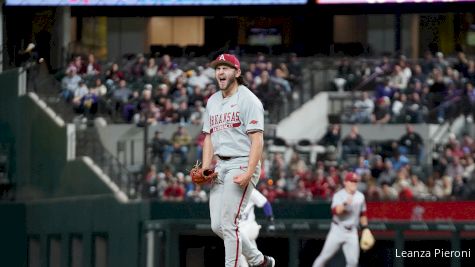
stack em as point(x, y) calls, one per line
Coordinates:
point(13, 234)
point(283, 210)
point(87, 217)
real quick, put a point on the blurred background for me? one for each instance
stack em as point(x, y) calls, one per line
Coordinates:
point(101, 107)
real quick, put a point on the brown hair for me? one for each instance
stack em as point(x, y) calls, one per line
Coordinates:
point(240, 80)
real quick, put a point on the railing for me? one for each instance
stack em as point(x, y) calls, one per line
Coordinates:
point(89, 144)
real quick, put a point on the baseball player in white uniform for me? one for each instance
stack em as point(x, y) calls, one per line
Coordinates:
point(349, 210)
point(234, 125)
point(248, 225)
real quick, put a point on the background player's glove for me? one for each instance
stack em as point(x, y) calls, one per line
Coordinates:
point(201, 176)
point(271, 224)
point(367, 239)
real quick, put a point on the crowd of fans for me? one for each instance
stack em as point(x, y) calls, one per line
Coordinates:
point(389, 171)
point(399, 91)
point(160, 90)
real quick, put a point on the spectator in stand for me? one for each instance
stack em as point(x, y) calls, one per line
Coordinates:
point(137, 71)
point(162, 94)
point(427, 64)
point(196, 95)
point(388, 192)
point(415, 110)
point(461, 190)
point(151, 71)
point(345, 76)
point(168, 112)
point(412, 143)
point(331, 137)
point(181, 141)
point(418, 188)
point(120, 96)
point(91, 68)
point(88, 104)
point(383, 90)
point(398, 161)
point(197, 113)
point(199, 79)
point(398, 109)
point(301, 193)
point(166, 65)
point(352, 143)
point(80, 91)
point(295, 69)
point(174, 192)
point(382, 113)
point(364, 107)
point(113, 76)
point(161, 149)
point(389, 174)
point(70, 83)
point(183, 113)
point(197, 194)
point(99, 87)
point(199, 142)
point(150, 182)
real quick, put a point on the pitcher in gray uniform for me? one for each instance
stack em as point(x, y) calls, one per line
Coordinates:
point(234, 125)
point(349, 210)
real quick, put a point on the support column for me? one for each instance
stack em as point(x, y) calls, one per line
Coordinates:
point(414, 36)
point(62, 37)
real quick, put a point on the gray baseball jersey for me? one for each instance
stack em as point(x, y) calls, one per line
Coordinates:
point(353, 212)
point(228, 120)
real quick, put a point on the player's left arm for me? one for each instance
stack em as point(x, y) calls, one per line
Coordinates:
point(363, 217)
point(253, 120)
point(255, 154)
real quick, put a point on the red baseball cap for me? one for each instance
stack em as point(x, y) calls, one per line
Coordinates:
point(226, 59)
point(351, 177)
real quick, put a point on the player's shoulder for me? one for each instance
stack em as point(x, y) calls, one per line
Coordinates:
point(247, 95)
point(359, 194)
point(340, 193)
point(214, 97)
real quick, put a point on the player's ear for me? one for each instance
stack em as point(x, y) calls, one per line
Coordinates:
point(238, 73)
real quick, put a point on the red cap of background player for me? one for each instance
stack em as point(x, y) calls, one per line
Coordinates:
point(226, 59)
point(351, 177)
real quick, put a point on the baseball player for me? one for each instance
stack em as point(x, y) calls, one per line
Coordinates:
point(234, 125)
point(349, 209)
point(248, 225)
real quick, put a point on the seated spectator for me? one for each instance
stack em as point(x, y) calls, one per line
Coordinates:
point(398, 161)
point(88, 104)
point(460, 188)
point(197, 194)
point(174, 192)
point(352, 143)
point(301, 193)
point(181, 140)
point(161, 149)
point(91, 68)
point(411, 143)
point(345, 76)
point(418, 188)
point(197, 113)
point(331, 137)
point(364, 108)
point(381, 113)
point(70, 83)
point(388, 192)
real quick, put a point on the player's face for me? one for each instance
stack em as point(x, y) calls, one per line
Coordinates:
point(226, 76)
point(351, 186)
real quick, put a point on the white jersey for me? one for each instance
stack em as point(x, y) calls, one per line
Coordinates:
point(256, 199)
point(229, 119)
point(353, 211)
